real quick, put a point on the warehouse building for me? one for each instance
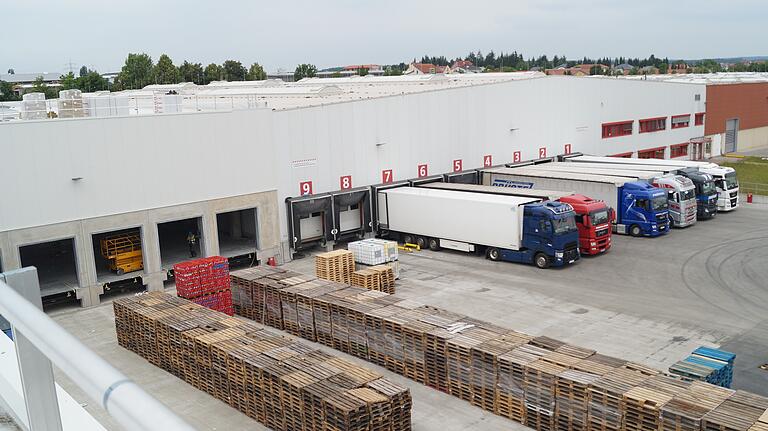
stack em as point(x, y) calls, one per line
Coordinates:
point(736, 111)
point(219, 162)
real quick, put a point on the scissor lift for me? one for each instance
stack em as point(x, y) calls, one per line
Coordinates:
point(123, 252)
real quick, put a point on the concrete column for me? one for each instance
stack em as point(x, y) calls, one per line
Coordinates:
point(89, 289)
point(153, 271)
point(154, 281)
point(210, 235)
point(9, 253)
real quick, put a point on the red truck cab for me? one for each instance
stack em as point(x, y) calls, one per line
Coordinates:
point(593, 219)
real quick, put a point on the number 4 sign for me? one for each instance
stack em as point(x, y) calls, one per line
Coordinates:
point(457, 165)
point(345, 182)
point(487, 161)
point(305, 188)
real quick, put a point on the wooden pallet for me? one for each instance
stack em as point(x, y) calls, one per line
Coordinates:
point(337, 265)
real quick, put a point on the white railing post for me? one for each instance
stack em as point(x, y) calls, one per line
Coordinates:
point(34, 367)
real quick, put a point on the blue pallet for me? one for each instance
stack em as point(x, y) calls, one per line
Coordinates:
point(720, 355)
point(718, 366)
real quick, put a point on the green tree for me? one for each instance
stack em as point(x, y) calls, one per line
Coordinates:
point(393, 71)
point(136, 72)
point(39, 86)
point(92, 81)
point(191, 72)
point(83, 71)
point(304, 71)
point(6, 92)
point(234, 71)
point(165, 72)
point(213, 72)
point(663, 68)
point(256, 73)
point(362, 71)
point(68, 81)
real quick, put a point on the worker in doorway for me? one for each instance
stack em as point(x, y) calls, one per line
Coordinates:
point(192, 241)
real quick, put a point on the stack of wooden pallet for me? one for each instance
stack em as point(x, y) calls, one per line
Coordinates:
point(337, 265)
point(282, 383)
point(380, 278)
point(762, 423)
point(539, 381)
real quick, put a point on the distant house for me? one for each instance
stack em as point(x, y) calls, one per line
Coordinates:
point(561, 69)
point(649, 70)
point(426, 69)
point(577, 70)
point(535, 69)
point(624, 68)
point(679, 67)
point(465, 66)
point(23, 82)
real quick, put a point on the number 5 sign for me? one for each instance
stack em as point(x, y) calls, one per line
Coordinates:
point(305, 188)
point(457, 165)
point(345, 182)
point(422, 171)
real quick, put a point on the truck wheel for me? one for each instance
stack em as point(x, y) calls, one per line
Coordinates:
point(408, 239)
point(421, 242)
point(541, 260)
point(635, 230)
point(493, 254)
point(434, 244)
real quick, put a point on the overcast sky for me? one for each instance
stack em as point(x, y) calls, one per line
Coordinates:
point(44, 36)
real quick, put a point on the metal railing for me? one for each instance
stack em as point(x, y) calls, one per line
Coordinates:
point(754, 188)
point(40, 341)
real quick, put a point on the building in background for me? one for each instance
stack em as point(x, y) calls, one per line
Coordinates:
point(23, 82)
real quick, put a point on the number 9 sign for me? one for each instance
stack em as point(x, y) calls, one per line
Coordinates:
point(305, 188)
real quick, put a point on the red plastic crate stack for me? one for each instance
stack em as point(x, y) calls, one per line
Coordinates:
point(205, 281)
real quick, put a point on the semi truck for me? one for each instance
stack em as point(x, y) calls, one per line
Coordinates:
point(726, 183)
point(593, 217)
point(640, 208)
point(681, 193)
point(508, 228)
point(704, 184)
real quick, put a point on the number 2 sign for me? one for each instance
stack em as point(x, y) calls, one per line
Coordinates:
point(542, 152)
point(457, 165)
point(305, 188)
point(422, 171)
point(345, 182)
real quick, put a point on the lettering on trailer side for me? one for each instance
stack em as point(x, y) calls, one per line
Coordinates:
point(511, 184)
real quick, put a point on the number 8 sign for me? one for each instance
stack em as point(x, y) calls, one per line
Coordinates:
point(345, 182)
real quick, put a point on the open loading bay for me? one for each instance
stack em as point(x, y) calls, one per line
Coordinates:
point(180, 240)
point(238, 236)
point(56, 266)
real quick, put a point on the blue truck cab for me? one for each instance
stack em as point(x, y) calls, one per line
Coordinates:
point(706, 192)
point(550, 236)
point(644, 210)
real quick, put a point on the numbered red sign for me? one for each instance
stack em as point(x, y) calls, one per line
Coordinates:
point(487, 161)
point(457, 165)
point(386, 176)
point(345, 182)
point(516, 156)
point(567, 148)
point(422, 171)
point(305, 188)
point(542, 152)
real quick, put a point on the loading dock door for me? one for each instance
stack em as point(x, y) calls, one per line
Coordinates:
point(731, 135)
point(310, 220)
point(352, 212)
point(469, 177)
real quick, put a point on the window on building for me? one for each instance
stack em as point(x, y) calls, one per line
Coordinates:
point(653, 124)
point(651, 153)
point(623, 155)
point(699, 121)
point(622, 128)
point(679, 150)
point(697, 97)
point(679, 121)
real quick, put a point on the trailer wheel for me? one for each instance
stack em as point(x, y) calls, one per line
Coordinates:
point(120, 271)
point(541, 260)
point(635, 230)
point(421, 242)
point(408, 239)
point(493, 254)
point(434, 244)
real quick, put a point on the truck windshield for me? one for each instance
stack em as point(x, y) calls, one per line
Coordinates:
point(708, 188)
point(564, 225)
point(730, 180)
point(688, 194)
point(659, 203)
point(599, 217)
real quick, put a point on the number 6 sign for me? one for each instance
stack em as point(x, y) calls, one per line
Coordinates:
point(305, 188)
point(422, 171)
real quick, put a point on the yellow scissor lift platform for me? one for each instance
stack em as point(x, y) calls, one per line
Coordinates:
point(123, 252)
